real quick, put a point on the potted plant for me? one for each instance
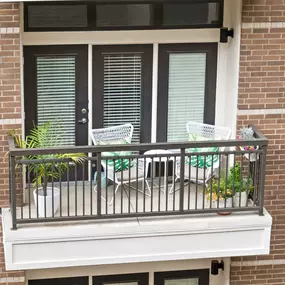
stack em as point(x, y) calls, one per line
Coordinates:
point(47, 198)
point(242, 186)
point(220, 193)
point(247, 133)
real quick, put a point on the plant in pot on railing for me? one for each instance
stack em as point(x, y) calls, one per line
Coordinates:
point(45, 169)
point(247, 133)
point(242, 186)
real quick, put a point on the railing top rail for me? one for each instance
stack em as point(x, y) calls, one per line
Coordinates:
point(137, 147)
point(258, 133)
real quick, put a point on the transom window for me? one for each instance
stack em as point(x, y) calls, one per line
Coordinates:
point(117, 15)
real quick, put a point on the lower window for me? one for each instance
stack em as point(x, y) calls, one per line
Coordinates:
point(187, 277)
point(125, 279)
point(61, 281)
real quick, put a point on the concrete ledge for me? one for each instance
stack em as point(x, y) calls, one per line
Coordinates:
point(135, 240)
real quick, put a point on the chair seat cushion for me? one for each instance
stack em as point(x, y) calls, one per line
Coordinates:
point(202, 161)
point(131, 174)
point(118, 164)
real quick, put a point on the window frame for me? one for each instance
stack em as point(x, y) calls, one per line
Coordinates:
point(158, 15)
point(202, 274)
point(211, 49)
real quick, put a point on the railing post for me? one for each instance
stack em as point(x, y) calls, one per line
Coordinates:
point(182, 171)
point(99, 176)
point(262, 179)
point(13, 191)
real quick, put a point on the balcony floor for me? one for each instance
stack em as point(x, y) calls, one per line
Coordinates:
point(82, 200)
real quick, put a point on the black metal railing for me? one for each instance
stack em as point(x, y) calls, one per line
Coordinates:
point(120, 181)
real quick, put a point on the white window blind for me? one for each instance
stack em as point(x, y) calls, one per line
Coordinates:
point(122, 90)
point(186, 92)
point(56, 94)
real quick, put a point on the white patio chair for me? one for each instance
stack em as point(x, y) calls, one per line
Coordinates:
point(136, 172)
point(201, 132)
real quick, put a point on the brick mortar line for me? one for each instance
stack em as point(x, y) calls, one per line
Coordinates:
point(278, 111)
point(263, 25)
point(10, 30)
point(12, 280)
point(258, 262)
point(10, 121)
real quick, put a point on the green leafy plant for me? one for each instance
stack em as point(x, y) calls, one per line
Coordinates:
point(45, 169)
point(238, 182)
point(218, 189)
point(222, 188)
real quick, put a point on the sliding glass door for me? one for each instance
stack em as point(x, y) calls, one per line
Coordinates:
point(56, 91)
point(122, 85)
point(186, 88)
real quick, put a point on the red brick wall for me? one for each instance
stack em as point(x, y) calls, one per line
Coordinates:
point(10, 110)
point(263, 11)
point(262, 69)
point(262, 88)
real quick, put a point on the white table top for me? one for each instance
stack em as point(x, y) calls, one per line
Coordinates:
point(160, 152)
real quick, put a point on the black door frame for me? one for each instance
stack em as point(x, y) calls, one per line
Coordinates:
point(81, 91)
point(98, 84)
point(211, 50)
point(140, 278)
point(203, 276)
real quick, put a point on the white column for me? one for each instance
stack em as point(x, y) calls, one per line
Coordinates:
point(90, 95)
point(154, 92)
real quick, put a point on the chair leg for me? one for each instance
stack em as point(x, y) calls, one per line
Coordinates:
point(95, 189)
point(146, 182)
point(116, 189)
point(173, 186)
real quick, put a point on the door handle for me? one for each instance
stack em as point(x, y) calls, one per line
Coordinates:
point(83, 121)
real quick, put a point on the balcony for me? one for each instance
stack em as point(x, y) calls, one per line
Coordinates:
point(166, 209)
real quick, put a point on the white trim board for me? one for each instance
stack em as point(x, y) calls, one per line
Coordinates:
point(258, 262)
point(265, 25)
point(261, 112)
point(122, 37)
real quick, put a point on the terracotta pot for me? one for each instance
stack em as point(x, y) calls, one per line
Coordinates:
point(222, 203)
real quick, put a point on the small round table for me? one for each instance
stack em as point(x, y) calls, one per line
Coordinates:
point(163, 159)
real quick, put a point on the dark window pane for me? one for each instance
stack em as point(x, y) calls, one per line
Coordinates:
point(57, 16)
point(135, 15)
point(191, 14)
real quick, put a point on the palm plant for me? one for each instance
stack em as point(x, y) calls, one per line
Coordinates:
point(45, 169)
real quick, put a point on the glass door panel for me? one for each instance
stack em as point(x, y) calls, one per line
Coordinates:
point(186, 88)
point(122, 86)
point(185, 277)
point(124, 279)
point(186, 92)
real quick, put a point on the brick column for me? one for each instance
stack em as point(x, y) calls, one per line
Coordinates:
point(261, 102)
point(10, 110)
